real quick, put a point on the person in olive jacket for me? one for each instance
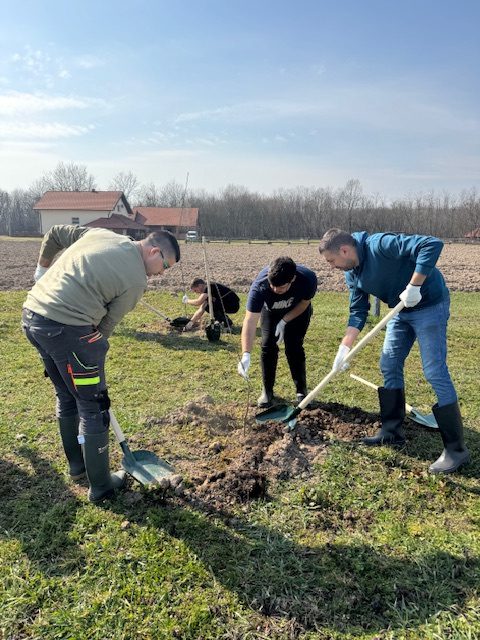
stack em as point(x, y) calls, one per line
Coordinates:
point(68, 316)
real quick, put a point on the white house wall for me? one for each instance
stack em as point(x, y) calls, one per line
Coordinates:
point(48, 217)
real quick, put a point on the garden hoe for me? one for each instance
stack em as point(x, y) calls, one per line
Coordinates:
point(287, 413)
point(415, 415)
point(176, 323)
point(144, 466)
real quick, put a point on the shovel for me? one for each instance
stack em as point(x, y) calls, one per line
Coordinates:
point(287, 413)
point(178, 323)
point(144, 466)
point(415, 415)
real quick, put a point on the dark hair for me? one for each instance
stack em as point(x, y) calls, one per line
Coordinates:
point(197, 282)
point(281, 271)
point(164, 240)
point(333, 239)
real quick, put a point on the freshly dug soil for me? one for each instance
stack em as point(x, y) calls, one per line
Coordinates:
point(225, 460)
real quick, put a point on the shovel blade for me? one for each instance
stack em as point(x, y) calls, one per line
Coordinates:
point(425, 420)
point(146, 467)
point(279, 413)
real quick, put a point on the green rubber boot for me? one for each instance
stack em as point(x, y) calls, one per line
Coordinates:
point(103, 484)
point(68, 427)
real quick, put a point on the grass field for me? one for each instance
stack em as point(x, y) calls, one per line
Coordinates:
point(370, 547)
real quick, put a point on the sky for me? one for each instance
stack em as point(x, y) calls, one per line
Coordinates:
point(266, 94)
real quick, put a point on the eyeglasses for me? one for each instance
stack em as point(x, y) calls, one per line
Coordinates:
point(165, 263)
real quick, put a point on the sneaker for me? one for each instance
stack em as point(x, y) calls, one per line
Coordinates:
point(300, 397)
point(265, 400)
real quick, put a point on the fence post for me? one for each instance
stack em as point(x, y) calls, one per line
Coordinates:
point(376, 306)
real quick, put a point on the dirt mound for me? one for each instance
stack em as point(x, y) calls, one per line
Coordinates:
point(227, 460)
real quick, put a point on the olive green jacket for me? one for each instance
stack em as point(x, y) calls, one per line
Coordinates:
point(98, 279)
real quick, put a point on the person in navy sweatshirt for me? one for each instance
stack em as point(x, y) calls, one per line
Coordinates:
point(394, 267)
point(280, 297)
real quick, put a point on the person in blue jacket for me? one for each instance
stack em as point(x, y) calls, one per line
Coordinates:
point(394, 267)
point(280, 297)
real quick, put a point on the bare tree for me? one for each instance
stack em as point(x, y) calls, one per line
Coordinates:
point(66, 177)
point(5, 228)
point(126, 182)
point(149, 196)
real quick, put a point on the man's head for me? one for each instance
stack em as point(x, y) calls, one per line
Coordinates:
point(339, 249)
point(281, 274)
point(160, 251)
point(198, 285)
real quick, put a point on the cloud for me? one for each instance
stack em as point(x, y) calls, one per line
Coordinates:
point(15, 102)
point(88, 61)
point(49, 130)
point(34, 61)
point(402, 109)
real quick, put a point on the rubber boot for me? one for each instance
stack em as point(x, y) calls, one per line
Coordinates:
point(103, 484)
point(265, 400)
point(301, 381)
point(68, 427)
point(455, 453)
point(392, 414)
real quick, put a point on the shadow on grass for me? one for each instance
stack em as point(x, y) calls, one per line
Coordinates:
point(346, 588)
point(38, 509)
point(178, 342)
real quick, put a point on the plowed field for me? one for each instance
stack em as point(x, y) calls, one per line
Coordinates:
point(236, 265)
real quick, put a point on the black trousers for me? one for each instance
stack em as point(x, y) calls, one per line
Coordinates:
point(229, 304)
point(295, 331)
point(74, 359)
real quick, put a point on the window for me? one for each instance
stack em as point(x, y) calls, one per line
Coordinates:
point(76, 221)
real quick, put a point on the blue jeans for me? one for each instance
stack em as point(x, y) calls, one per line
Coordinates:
point(429, 327)
point(74, 360)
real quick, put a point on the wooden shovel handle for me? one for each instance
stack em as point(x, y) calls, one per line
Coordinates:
point(159, 313)
point(365, 340)
point(408, 407)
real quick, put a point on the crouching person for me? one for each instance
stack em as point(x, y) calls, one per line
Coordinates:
point(224, 301)
point(68, 316)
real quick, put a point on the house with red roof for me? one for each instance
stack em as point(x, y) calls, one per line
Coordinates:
point(178, 220)
point(106, 209)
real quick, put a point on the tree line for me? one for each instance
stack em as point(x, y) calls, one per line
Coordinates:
point(236, 212)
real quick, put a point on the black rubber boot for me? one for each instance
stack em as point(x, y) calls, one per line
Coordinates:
point(300, 380)
point(455, 453)
point(392, 414)
point(265, 400)
point(68, 427)
point(103, 484)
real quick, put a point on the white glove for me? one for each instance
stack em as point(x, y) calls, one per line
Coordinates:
point(280, 331)
point(338, 364)
point(244, 365)
point(411, 296)
point(39, 272)
point(185, 299)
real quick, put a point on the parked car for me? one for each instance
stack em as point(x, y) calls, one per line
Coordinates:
point(191, 236)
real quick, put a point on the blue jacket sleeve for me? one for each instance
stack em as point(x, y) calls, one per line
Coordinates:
point(359, 304)
point(423, 251)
